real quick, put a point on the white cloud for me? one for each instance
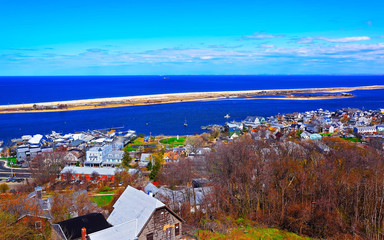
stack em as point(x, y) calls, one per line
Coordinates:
point(263, 55)
point(267, 46)
point(259, 35)
point(345, 39)
point(334, 40)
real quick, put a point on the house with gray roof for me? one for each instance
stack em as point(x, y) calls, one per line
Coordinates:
point(254, 121)
point(151, 189)
point(113, 158)
point(136, 215)
point(175, 198)
point(96, 155)
point(145, 159)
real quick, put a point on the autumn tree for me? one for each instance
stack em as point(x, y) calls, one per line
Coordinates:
point(127, 159)
point(158, 159)
point(125, 178)
point(4, 187)
point(300, 187)
point(11, 228)
point(68, 205)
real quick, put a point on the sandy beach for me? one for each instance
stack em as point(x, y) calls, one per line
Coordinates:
point(176, 97)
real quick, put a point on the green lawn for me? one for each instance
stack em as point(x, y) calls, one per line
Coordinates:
point(102, 201)
point(173, 141)
point(13, 160)
point(246, 233)
point(326, 134)
point(129, 149)
point(107, 192)
point(352, 139)
point(138, 141)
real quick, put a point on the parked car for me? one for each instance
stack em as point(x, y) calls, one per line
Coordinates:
point(13, 179)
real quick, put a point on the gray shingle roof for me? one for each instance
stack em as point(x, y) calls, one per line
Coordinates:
point(133, 204)
point(127, 230)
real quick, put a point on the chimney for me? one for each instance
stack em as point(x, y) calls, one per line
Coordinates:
point(83, 234)
point(38, 191)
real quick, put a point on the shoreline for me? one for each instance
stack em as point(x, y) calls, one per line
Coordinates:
point(98, 103)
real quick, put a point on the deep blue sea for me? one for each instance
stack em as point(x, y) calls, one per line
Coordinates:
point(167, 119)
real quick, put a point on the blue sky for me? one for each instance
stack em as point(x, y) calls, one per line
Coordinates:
point(191, 37)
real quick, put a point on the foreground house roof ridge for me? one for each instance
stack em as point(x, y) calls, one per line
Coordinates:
point(126, 230)
point(131, 214)
point(134, 204)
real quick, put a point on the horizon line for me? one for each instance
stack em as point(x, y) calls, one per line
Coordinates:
point(165, 75)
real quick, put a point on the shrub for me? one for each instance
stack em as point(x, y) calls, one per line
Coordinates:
point(4, 187)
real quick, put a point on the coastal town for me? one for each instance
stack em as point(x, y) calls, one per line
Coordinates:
point(111, 167)
point(192, 120)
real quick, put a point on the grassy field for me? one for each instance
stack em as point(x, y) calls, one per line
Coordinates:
point(251, 233)
point(173, 141)
point(352, 139)
point(129, 148)
point(139, 141)
point(102, 200)
point(107, 192)
point(326, 134)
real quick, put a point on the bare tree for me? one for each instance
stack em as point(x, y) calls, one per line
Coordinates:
point(193, 143)
point(67, 205)
point(46, 167)
point(95, 176)
point(68, 175)
point(177, 174)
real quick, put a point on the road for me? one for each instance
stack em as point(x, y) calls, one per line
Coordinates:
point(5, 172)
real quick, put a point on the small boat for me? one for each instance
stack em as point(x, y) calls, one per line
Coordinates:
point(227, 116)
point(185, 123)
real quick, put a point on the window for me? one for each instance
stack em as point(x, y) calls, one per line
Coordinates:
point(150, 236)
point(177, 229)
point(38, 225)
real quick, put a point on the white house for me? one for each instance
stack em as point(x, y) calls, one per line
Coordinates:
point(145, 159)
point(96, 155)
point(331, 129)
point(305, 135)
point(113, 158)
point(380, 128)
point(36, 140)
point(72, 157)
point(365, 130)
point(254, 121)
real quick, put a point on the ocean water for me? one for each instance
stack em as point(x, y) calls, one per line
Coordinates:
point(167, 119)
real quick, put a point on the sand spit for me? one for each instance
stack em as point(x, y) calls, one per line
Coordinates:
point(177, 97)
